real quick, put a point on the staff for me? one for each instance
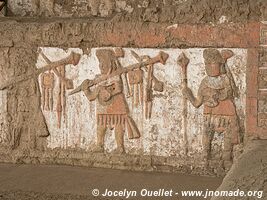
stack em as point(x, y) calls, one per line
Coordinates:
point(161, 58)
point(73, 59)
point(183, 61)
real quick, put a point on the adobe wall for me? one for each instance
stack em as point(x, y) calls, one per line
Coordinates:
point(182, 11)
point(172, 139)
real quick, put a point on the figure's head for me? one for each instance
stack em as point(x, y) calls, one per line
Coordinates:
point(107, 60)
point(119, 53)
point(213, 62)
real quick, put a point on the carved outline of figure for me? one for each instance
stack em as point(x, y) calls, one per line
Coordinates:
point(217, 92)
point(112, 108)
point(109, 93)
point(19, 123)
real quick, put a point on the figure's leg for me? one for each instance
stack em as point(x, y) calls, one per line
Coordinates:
point(43, 98)
point(207, 137)
point(16, 136)
point(47, 99)
point(119, 136)
point(51, 99)
point(17, 131)
point(228, 148)
point(101, 131)
point(207, 141)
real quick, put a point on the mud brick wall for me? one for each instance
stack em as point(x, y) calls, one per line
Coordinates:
point(256, 108)
point(262, 81)
point(173, 11)
point(29, 134)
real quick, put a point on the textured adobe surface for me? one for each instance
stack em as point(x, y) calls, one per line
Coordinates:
point(172, 11)
point(138, 24)
point(249, 172)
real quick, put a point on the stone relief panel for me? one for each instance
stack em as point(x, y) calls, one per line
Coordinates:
point(109, 102)
point(216, 93)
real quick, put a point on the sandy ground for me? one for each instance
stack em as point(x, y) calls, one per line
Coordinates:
point(249, 173)
point(27, 182)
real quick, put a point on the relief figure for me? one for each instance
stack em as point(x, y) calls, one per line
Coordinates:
point(108, 90)
point(217, 92)
point(112, 109)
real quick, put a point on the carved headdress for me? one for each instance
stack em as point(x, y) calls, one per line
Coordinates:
point(213, 56)
point(213, 62)
point(108, 61)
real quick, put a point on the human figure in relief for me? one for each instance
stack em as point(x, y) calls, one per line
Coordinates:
point(217, 92)
point(112, 108)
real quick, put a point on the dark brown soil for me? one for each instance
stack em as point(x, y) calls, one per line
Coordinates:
point(29, 182)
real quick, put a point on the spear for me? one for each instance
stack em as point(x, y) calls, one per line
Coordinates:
point(162, 57)
point(73, 59)
point(183, 61)
point(68, 82)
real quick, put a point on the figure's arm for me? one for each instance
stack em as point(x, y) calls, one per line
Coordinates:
point(232, 82)
point(196, 101)
point(91, 95)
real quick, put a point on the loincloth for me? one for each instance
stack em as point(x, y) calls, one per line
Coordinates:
point(123, 120)
point(228, 125)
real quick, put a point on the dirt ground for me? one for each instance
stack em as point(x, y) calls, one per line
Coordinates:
point(249, 173)
point(29, 182)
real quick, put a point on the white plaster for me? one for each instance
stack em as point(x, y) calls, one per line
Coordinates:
point(161, 135)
